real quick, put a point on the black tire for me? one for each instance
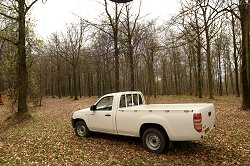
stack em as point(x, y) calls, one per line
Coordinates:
point(154, 140)
point(81, 129)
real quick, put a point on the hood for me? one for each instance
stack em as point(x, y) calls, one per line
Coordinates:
point(80, 113)
point(83, 110)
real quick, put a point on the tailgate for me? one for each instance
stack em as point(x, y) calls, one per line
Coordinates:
point(208, 118)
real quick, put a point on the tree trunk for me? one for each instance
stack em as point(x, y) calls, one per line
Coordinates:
point(209, 65)
point(22, 68)
point(69, 86)
point(117, 81)
point(79, 85)
point(52, 84)
point(150, 73)
point(59, 89)
point(129, 34)
point(195, 73)
point(237, 87)
point(164, 79)
point(175, 74)
point(131, 66)
point(58, 69)
point(226, 76)
point(199, 65)
point(190, 64)
point(199, 79)
point(117, 64)
point(220, 71)
point(75, 83)
point(244, 12)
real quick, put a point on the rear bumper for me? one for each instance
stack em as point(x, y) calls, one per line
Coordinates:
point(209, 129)
point(194, 135)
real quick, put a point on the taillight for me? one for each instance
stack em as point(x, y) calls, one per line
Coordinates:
point(197, 120)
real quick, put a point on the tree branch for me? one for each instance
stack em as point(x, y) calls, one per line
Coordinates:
point(107, 12)
point(230, 10)
point(8, 40)
point(8, 16)
point(95, 25)
point(137, 17)
point(28, 7)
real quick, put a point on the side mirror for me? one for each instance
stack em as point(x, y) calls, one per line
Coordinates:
point(93, 108)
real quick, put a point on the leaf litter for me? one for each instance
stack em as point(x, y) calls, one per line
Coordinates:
point(49, 139)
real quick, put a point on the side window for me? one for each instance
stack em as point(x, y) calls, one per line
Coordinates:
point(135, 99)
point(140, 100)
point(129, 100)
point(122, 102)
point(105, 103)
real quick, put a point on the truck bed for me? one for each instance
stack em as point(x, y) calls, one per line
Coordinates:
point(178, 118)
point(170, 107)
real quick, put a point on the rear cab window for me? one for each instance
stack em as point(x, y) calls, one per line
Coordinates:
point(128, 100)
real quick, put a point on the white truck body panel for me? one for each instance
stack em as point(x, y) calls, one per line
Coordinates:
point(176, 119)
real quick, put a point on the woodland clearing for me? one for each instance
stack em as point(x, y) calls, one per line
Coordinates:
point(49, 139)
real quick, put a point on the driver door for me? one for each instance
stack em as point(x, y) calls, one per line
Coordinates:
point(101, 119)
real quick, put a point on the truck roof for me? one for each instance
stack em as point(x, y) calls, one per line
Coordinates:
point(122, 93)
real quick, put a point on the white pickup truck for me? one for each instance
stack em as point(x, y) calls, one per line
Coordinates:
point(125, 113)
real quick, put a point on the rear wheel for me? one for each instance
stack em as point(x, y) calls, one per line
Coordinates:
point(81, 129)
point(154, 140)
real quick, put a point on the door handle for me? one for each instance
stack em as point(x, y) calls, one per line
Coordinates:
point(107, 115)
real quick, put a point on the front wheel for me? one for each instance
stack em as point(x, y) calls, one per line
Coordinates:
point(154, 140)
point(81, 129)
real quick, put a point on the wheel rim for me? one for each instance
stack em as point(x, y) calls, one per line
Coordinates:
point(81, 129)
point(153, 141)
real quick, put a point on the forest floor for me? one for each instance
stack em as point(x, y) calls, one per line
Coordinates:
point(49, 139)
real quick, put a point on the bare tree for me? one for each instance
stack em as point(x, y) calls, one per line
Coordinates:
point(236, 66)
point(243, 15)
point(56, 60)
point(114, 23)
point(72, 47)
point(192, 31)
point(244, 9)
point(210, 28)
point(130, 30)
point(150, 49)
point(17, 10)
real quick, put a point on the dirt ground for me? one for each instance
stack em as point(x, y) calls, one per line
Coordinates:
point(49, 139)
